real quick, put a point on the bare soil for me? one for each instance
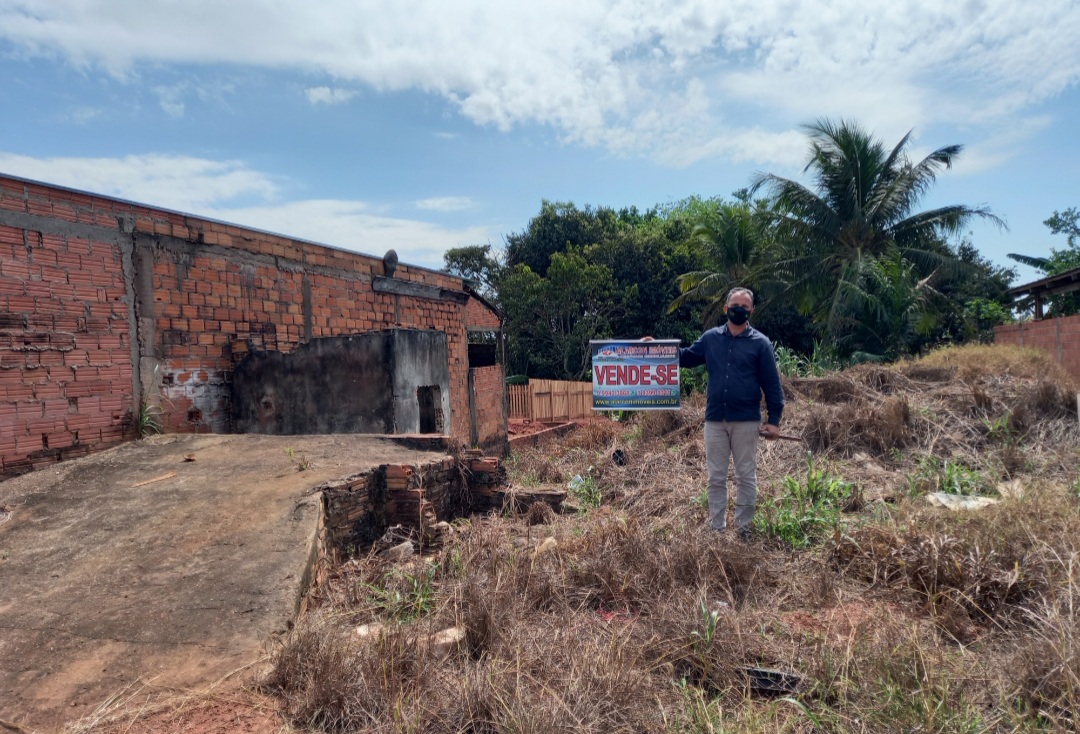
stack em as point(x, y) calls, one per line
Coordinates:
point(137, 565)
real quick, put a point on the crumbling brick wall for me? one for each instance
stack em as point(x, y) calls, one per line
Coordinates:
point(106, 305)
point(65, 361)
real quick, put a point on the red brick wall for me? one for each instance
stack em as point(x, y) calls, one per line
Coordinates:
point(211, 304)
point(479, 316)
point(83, 276)
point(65, 359)
point(1059, 337)
point(489, 406)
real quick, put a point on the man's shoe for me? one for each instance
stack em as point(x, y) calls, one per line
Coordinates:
point(744, 534)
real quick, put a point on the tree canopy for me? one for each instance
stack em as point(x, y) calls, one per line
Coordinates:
point(842, 249)
point(849, 263)
point(1065, 222)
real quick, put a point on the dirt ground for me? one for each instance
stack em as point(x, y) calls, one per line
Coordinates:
point(139, 566)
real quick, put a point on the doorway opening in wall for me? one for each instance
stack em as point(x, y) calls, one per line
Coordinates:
point(429, 399)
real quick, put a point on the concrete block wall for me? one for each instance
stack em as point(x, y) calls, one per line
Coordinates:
point(107, 304)
point(1059, 337)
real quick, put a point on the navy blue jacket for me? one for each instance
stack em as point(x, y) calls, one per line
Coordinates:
point(741, 368)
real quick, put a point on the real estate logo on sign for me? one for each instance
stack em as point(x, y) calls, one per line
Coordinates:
point(635, 375)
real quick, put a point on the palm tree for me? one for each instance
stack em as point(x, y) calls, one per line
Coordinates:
point(730, 238)
point(860, 210)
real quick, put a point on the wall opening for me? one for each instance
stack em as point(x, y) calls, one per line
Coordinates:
point(429, 399)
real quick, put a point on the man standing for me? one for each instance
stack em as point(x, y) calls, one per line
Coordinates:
point(741, 366)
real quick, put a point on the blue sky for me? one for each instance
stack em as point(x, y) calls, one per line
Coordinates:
point(427, 124)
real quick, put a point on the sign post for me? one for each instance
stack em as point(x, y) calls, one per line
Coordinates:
point(635, 374)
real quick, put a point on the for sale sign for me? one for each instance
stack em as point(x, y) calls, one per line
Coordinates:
point(635, 375)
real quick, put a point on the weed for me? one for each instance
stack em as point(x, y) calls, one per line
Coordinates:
point(530, 469)
point(709, 618)
point(806, 511)
point(820, 362)
point(701, 714)
point(299, 458)
point(585, 490)
point(945, 475)
point(148, 421)
point(403, 596)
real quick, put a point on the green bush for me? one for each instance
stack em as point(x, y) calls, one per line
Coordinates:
point(806, 511)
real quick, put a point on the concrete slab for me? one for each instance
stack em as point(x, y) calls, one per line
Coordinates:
point(107, 578)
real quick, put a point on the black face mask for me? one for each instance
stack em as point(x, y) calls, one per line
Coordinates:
point(738, 315)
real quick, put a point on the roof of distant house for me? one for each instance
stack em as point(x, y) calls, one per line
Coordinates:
point(1053, 285)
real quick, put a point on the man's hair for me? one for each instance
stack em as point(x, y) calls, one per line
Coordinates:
point(736, 291)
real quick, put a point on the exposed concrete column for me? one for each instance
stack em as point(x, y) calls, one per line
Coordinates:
point(131, 280)
point(474, 434)
point(148, 366)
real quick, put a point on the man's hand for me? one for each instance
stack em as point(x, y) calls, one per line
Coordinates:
point(770, 432)
point(646, 339)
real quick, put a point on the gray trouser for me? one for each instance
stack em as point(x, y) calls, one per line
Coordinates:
point(723, 441)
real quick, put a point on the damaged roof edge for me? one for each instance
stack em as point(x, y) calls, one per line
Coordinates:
point(211, 220)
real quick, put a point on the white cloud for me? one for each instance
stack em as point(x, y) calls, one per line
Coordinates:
point(328, 95)
point(446, 203)
point(171, 99)
point(174, 182)
point(601, 72)
point(355, 225)
point(232, 192)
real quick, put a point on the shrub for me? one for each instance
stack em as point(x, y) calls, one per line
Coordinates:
point(806, 511)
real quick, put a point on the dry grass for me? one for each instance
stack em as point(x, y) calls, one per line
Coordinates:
point(907, 618)
point(986, 361)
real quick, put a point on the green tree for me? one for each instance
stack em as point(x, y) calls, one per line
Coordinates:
point(971, 301)
point(1066, 223)
point(828, 239)
point(889, 307)
point(551, 319)
point(478, 265)
point(1059, 261)
point(558, 227)
point(730, 240)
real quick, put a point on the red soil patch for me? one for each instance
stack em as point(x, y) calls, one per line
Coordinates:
point(840, 622)
point(237, 712)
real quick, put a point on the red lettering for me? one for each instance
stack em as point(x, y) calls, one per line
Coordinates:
point(620, 374)
point(661, 375)
point(646, 377)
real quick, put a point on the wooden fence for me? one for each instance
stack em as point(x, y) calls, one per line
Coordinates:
point(551, 401)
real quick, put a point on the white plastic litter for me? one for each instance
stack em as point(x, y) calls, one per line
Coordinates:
point(960, 502)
